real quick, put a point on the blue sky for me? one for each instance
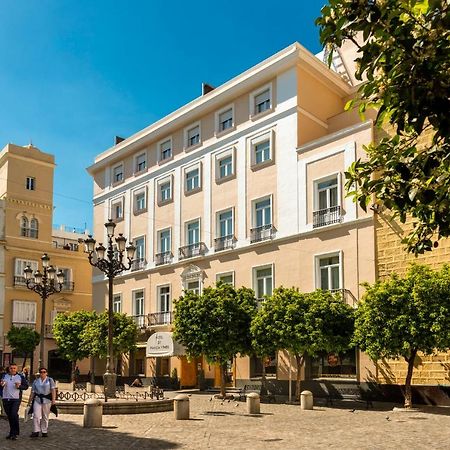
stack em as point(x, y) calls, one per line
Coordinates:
point(73, 74)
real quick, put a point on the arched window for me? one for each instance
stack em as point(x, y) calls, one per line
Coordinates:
point(34, 228)
point(24, 226)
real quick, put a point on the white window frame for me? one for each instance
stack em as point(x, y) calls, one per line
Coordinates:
point(189, 169)
point(218, 213)
point(256, 140)
point(115, 202)
point(316, 183)
point(316, 261)
point(260, 199)
point(220, 156)
point(135, 162)
point(186, 224)
point(30, 183)
point(142, 236)
point(29, 320)
point(161, 182)
point(225, 274)
point(255, 279)
point(200, 285)
point(69, 271)
point(162, 160)
point(113, 168)
point(158, 237)
point(135, 195)
point(33, 264)
point(186, 134)
point(117, 294)
point(254, 94)
point(133, 305)
point(218, 131)
point(158, 296)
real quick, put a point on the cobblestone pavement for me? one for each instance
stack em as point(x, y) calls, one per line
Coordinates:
point(226, 426)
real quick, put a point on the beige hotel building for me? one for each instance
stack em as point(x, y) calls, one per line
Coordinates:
point(244, 184)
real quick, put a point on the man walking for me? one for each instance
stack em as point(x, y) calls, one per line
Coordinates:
point(11, 400)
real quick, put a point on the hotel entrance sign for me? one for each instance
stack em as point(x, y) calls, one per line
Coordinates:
point(160, 344)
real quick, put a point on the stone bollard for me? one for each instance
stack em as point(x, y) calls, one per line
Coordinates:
point(90, 388)
point(181, 407)
point(306, 400)
point(253, 403)
point(92, 413)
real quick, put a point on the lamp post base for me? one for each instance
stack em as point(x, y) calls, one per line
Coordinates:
point(109, 385)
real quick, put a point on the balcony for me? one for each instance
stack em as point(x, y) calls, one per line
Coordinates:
point(160, 318)
point(141, 320)
point(346, 296)
point(19, 281)
point(32, 326)
point(263, 233)
point(327, 216)
point(138, 264)
point(189, 251)
point(163, 258)
point(70, 246)
point(224, 243)
point(68, 286)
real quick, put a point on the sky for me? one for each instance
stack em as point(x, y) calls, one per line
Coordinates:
point(73, 74)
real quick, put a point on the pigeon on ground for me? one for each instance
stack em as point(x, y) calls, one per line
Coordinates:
point(388, 418)
point(236, 405)
point(352, 410)
point(210, 399)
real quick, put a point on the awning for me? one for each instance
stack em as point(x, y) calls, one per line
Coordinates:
point(161, 344)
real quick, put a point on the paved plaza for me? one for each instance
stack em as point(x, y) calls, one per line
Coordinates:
point(226, 426)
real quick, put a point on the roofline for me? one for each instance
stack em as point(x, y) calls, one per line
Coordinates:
point(261, 71)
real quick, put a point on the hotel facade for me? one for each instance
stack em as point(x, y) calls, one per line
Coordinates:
point(245, 185)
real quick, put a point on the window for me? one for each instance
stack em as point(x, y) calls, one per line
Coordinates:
point(193, 286)
point(164, 241)
point(262, 152)
point(263, 213)
point(269, 363)
point(262, 102)
point(34, 228)
point(139, 243)
point(24, 313)
point(192, 179)
point(326, 202)
point(164, 298)
point(24, 229)
point(165, 192)
point(140, 202)
point(19, 266)
point(29, 228)
point(226, 167)
point(30, 183)
point(329, 272)
point(138, 307)
point(165, 150)
point(262, 149)
point(67, 274)
point(117, 303)
point(263, 281)
point(193, 136)
point(225, 278)
point(225, 120)
point(193, 232)
point(334, 365)
point(225, 223)
point(117, 210)
point(327, 193)
point(141, 162)
point(118, 174)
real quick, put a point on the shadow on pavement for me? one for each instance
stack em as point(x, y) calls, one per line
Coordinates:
point(71, 436)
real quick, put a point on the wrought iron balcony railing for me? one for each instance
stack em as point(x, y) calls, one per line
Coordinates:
point(263, 233)
point(224, 243)
point(138, 264)
point(141, 320)
point(163, 258)
point(346, 295)
point(160, 318)
point(19, 281)
point(189, 251)
point(24, 325)
point(327, 216)
point(68, 286)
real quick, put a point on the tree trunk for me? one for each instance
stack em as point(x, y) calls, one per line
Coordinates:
point(92, 368)
point(223, 370)
point(263, 378)
point(74, 365)
point(24, 361)
point(408, 394)
point(299, 359)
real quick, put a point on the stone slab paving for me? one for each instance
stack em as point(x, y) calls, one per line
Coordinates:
point(214, 425)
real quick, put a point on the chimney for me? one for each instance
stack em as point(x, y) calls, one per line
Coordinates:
point(206, 88)
point(118, 140)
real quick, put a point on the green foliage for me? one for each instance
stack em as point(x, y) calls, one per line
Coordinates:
point(399, 315)
point(22, 339)
point(404, 61)
point(68, 331)
point(215, 324)
point(303, 324)
point(95, 335)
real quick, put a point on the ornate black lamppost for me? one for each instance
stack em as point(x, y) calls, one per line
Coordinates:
point(110, 261)
point(43, 283)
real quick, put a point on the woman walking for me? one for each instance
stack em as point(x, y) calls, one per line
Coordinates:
point(43, 396)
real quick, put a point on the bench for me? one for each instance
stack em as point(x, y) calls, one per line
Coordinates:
point(257, 388)
point(352, 393)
